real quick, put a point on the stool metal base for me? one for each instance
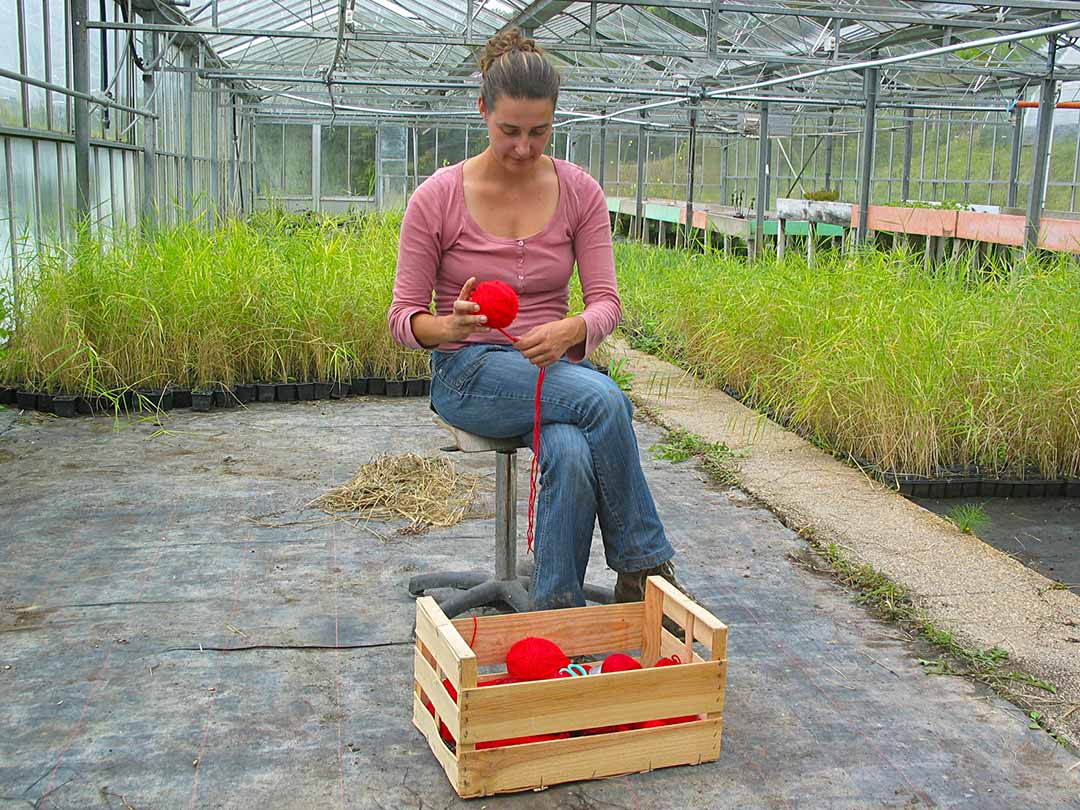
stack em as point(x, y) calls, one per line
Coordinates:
point(476, 589)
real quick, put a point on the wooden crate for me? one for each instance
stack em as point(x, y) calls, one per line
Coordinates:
point(570, 704)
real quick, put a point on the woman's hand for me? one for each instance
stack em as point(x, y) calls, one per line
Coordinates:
point(465, 321)
point(546, 343)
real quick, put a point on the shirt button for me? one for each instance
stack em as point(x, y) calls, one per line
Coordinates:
point(521, 277)
point(520, 242)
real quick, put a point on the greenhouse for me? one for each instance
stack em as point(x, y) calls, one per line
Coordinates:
point(289, 526)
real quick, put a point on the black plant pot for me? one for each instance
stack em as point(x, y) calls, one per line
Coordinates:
point(305, 392)
point(322, 389)
point(26, 400)
point(223, 398)
point(339, 389)
point(202, 401)
point(181, 397)
point(7, 395)
point(83, 406)
point(65, 405)
point(1072, 488)
point(286, 392)
point(376, 386)
point(45, 403)
point(358, 386)
point(395, 388)
point(427, 386)
point(414, 387)
point(154, 399)
point(244, 393)
point(265, 392)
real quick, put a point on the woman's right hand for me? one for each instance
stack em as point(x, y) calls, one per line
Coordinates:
point(465, 321)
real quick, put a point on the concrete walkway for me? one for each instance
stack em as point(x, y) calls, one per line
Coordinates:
point(983, 596)
point(162, 650)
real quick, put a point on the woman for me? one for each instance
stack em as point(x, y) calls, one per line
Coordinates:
point(516, 215)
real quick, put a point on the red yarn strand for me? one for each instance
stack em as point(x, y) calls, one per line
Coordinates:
point(499, 303)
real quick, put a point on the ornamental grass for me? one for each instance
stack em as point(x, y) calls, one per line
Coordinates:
point(872, 355)
point(273, 298)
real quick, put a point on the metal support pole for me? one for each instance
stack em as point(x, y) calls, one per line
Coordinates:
point(1047, 99)
point(905, 178)
point(1014, 155)
point(80, 70)
point(828, 152)
point(150, 196)
point(724, 172)
point(603, 149)
point(215, 192)
point(866, 170)
point(639, 209)
point(316, 167)
point(505, 515)
point(189, 146)
point(762, 180)
point(691, 160)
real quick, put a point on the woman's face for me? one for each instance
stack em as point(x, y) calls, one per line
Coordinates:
point(519, 130)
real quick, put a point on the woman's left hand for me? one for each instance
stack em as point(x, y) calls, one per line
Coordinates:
point(545, 344)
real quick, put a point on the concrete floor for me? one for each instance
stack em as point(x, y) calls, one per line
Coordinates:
point(1042, 533)
point(161, 651)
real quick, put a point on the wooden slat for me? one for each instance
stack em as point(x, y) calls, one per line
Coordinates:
point(669, 646)
point(445, 708)
point(538, 765)
point(566, 704)
point(651, 626)
point(442, 639)
point(426, 724)
point(679, 598)
point(577, 631)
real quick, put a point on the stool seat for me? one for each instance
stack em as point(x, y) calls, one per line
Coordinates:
point(474, 443)
point(508, 586)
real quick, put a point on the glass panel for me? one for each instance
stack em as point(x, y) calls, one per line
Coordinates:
point(362, 161)
point(297, 160)
point(10, 94)
point(67, 181)
point(451, 146)
point(6, 278)
point(116, 172)
point(22, 186)
point(268, 159)
point(58, 59)
point(49, 183)
point(93, 41)
point(34, 35)
point(392, 158)
point(333, 171)
point(102, 192)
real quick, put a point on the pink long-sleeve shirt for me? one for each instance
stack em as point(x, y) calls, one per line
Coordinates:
point(441, 247)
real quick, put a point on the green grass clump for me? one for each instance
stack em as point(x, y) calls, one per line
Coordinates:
point(970, 518)
point(272, 298)
point(872, 355)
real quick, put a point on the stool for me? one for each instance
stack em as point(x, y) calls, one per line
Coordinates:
point(476, 588)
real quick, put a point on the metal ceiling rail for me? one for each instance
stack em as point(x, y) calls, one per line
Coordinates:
point(67, 91)
point(1048, 31)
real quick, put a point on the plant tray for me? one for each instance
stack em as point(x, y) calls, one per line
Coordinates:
point(570, 705)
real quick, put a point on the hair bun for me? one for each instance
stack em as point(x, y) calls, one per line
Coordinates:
point(506, 42)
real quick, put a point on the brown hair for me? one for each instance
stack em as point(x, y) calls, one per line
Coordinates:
point(515, 66)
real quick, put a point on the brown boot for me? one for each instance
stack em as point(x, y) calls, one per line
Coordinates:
point(630, 587)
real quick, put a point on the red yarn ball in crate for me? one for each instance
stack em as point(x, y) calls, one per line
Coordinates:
point(668, 662)
point(498, 301)
point(619, 662)
point(534, 659)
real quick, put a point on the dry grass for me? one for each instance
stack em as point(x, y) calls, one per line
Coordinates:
point(424, 490)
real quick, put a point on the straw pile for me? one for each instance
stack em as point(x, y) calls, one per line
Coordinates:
point(426, 491)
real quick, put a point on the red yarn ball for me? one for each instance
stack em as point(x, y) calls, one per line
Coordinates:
point(668, 662)
point(498, 301)
point(619, 662)
point(534, 659)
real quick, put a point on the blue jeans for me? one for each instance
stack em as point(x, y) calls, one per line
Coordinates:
point(589, 463)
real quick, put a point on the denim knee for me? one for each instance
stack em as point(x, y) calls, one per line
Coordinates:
point(565, 457)
point(605, 401)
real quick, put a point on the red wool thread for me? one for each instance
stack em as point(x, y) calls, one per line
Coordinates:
point(498, 302)
point(535, 659)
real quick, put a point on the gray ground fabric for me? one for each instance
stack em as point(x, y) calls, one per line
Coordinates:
point(132, 579)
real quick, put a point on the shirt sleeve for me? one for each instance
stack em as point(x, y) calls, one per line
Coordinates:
point(596, 269)
point(419, 256)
